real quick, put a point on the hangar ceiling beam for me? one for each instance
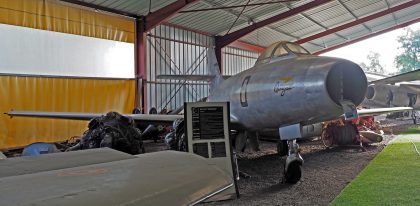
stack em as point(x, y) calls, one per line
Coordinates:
point(240, 44)
point(402, 25)
point(155, 18)
point(358, 21)
point(250, 20)
point(222, 41)
point(247, 46)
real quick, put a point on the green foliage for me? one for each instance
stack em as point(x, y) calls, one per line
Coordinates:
point(412, 130)
point(409, 59)
point(392, 178)
point(373, 65)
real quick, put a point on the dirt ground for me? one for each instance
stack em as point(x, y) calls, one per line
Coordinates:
point(325, 172)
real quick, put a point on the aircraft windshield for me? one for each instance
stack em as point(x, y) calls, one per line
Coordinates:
point(280, 49)
point(297, 49)
point(266, 55)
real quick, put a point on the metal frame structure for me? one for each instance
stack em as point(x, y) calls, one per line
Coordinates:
point(174, 51)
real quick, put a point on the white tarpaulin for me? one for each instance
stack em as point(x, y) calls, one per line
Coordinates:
point(39, 52)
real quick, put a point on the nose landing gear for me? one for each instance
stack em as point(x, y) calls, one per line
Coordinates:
point(292, 167)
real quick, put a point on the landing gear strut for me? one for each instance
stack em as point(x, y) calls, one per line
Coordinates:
point(414, 117)
point(292, 167)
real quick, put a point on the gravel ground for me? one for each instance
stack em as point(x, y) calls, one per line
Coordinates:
point(325, 172)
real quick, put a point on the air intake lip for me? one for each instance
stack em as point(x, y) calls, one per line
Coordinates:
point(370, 92)
point(346, 81)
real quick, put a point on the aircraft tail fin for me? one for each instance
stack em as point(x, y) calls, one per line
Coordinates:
point(214, 70)
point(213, 77)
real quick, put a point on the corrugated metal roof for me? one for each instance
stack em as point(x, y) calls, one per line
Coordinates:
point(330, 14)
point(200, 20)
point(265, 37)
point(139, 7)
point(351, 32)
point(408, 14)
point(380, 21)
point(310, 22)
point(362, 8)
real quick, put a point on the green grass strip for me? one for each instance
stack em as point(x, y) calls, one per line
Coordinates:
point(391, 178)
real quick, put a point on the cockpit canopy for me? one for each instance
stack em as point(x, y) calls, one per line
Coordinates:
point(280, 50)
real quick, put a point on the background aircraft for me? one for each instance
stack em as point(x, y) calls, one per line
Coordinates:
point(287, 89)
point(396, 91)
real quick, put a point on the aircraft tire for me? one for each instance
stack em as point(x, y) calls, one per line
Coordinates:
point(294, 173)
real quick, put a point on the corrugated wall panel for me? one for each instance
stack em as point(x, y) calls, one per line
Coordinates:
point(174, 51)
point(237, 60)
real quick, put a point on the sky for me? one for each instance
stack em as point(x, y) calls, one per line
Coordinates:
point(386, 45)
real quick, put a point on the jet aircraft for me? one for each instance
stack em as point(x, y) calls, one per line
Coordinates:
point(395, 91)
point(287, 89)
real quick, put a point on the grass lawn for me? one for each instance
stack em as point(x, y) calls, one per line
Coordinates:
point(391, 178)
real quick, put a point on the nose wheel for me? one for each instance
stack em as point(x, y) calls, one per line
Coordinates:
point(293, 173)
point(292, 167)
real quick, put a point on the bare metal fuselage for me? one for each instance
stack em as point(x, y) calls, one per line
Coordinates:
point(303, 89)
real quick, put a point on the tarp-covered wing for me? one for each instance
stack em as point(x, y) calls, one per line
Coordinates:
point(160, 178)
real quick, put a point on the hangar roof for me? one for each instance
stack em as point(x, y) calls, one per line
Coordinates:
point(329, 24)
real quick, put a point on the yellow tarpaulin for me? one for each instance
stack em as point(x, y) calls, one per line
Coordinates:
point(62, 17)
point(57, 95)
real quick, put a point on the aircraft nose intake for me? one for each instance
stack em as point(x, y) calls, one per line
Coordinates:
point(370, 92)
point(346, 81)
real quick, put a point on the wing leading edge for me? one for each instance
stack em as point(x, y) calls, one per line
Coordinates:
point(406, 77)
point(88, 116)
point(152, 119)
point(378, 111)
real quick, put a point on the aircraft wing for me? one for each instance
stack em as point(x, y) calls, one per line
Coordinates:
point(142, 118)
point(406, 77)
point(378, 111)
point(206, 78)
point(411, 87)
point(180, 77)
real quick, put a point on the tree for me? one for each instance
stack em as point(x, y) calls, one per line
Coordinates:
point(409, 59)
point(373, 64)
